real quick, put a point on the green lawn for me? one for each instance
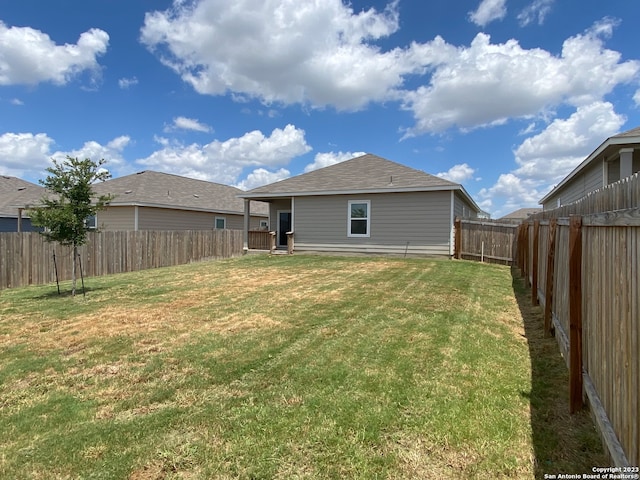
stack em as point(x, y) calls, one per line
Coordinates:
point(286, 367)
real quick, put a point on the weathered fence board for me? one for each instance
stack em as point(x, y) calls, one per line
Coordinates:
point(26, 259)
point(486, 241)
point(591, 294)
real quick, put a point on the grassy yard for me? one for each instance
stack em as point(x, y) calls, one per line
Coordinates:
point(286, 367)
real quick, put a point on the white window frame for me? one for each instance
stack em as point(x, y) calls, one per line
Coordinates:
point(367, 219)
point(224, 223)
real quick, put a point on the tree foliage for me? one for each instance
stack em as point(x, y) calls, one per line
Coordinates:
point(70, 201)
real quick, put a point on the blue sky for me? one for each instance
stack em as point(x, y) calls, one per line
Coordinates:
point(503, 96)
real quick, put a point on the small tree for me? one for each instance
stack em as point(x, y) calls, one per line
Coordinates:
point(64, 216)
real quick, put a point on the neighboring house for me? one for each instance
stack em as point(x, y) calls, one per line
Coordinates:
point(616, 158)
point(366, 204)
point(15, 195)
point(160, 201)
point(519, 215)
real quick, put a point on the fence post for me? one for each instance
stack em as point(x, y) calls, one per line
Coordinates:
point(575, 313)
point(457, 243)
point(548, 294)
point(534, 266)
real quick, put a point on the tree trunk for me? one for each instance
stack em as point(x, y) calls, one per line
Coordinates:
point(73, 270)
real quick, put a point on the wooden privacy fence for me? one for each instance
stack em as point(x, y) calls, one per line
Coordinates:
point(27, 259)
point(584, 271)
point(486, 241)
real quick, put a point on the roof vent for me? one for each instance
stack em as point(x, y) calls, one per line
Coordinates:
point(21, 188)
point(196, 195)
point(127, 192)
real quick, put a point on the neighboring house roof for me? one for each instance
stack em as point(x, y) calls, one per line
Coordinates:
point(365, 174)
point(17, 193)
point(164, 190)
point(521, 214)
point(613, 143)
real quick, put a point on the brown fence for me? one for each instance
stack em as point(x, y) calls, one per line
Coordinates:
point(485, 241)
point(26, 259)
point(584, 269)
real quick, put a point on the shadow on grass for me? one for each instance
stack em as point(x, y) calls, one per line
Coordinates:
point(563, 443)
point(65, 292)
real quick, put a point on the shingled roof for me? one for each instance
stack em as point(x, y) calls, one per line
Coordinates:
point(164, 190)
point(15, 193)
point(365, 174)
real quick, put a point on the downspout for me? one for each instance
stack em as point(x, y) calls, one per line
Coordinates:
point(451, 223)
point(245, 236)
point(135, 218)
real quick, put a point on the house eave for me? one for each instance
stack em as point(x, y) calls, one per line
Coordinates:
point(587, 161)
point(264, 196)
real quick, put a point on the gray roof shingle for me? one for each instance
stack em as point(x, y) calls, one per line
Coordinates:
point(149, 188)
point(365, 173)
point(15, 192)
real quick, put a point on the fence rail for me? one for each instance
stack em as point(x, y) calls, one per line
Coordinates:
point(583, 269)
point(26, 259)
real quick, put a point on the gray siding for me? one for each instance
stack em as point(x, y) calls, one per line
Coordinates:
point(462, 208)
point(413, 222)
point(10, 224)
point(284, 204)
point(589, 180)
point(149, 218)
point(116, 218)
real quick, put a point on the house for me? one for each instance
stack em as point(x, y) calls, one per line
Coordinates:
point(151, 200)
point(16, 193)
point(520, 214)
point(616, 158)
point(367, 204)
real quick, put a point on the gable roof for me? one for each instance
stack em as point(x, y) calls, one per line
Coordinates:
point(164, 190)
point(365, 174)
point(17, 193)
point(613, 143)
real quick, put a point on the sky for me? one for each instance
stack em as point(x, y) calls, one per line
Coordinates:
point(505, 97)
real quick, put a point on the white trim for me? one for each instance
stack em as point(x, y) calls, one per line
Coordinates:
point(293, 210)
point(224, 223)
point(367, 219)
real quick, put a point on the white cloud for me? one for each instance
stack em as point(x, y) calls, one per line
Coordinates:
point(636, 98)
point(224, 161)
point(17, 102)
point(538, 10)
point(184, 123)
point(319, 53)
point(488, 11)
point(24, 154)
point(261, 176)
point(29, 56)
point(111, 152)
point(458, 173)
point(487, 84)
point(126, 83)
point(322, 160)
point(546, 158)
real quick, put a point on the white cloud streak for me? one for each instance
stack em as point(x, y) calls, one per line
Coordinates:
point(488, 11)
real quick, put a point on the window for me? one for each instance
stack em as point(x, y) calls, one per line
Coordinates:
point(264, 225)
point(90, 222)
point(359, 221)
point(221, 223)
